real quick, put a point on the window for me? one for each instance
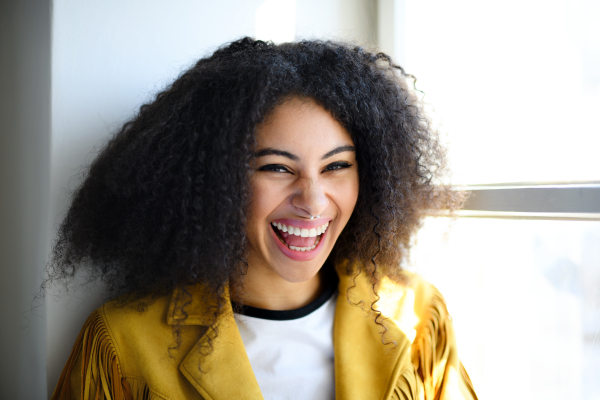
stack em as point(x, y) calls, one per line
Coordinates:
point(515, 89)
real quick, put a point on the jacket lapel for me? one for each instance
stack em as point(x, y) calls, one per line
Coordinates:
point(226, 371)
point(365, 368)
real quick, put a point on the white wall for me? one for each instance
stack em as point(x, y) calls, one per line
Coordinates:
point(108, 57)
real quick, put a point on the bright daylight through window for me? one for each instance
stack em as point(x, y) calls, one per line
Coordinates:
point(515, 89)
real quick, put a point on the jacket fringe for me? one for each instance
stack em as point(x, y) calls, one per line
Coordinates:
point(467, 385)
point(408, 386)
point(431, 345)
point(93, 371)
point(435, 357)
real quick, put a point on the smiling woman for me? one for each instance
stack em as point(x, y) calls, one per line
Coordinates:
point(305, 166)
point(250, 223)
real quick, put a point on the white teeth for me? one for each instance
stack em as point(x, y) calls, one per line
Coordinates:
point(303, 248)
point(294, 230)
point(303, 232)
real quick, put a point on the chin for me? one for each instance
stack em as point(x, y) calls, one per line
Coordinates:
point(299, 274)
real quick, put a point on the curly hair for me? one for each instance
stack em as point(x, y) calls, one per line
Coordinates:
point(163, 205)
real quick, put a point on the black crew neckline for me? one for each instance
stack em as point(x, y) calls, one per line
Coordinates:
point(287, 315)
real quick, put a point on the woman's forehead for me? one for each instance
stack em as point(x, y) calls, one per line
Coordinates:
point(300, 123)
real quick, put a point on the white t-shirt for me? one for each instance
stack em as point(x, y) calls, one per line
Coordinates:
point(291, 352)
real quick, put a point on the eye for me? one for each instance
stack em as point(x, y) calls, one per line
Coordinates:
point(337, 165)
point(274, 168)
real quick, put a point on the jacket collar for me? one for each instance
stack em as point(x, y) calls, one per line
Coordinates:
point(365, 368)
point(226, 371)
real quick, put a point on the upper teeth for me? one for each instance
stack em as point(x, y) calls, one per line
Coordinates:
point(303, 232)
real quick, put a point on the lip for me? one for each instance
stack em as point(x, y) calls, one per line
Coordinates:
point(299, 255)
point(303, 223)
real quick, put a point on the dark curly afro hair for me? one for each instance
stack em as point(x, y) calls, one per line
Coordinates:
point(164, 203)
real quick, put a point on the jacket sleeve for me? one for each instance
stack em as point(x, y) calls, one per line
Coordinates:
point(435, 353)
point(93, 370)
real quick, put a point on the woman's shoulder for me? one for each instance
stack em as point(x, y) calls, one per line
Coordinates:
point(127, 321)
point(411, 302)
point(134, 314)
point(416, 320)
point(119, 329)
point(421, 314)
point(134, 346)
point(150, 323)
point(404, 298)
point(421, 292)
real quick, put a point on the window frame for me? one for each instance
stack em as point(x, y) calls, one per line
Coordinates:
point(574, 201)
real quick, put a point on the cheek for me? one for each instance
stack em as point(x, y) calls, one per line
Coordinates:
point(263, 200)
point(349, 200)
point(346, 196)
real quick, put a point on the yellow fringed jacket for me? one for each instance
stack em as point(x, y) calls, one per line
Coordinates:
point(124, 354)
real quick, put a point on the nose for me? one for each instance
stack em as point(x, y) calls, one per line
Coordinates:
point(309, 197)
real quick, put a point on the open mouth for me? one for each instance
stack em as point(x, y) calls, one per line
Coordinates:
point(299, 239)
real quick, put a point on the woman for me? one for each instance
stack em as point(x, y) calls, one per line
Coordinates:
point(229, 211)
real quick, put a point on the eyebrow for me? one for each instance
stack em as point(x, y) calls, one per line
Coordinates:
point(338, 150)
point(275, 152)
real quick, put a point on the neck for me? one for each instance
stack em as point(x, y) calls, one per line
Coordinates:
point(269, 291)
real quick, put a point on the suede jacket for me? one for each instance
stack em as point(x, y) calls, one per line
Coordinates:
point(122, 353)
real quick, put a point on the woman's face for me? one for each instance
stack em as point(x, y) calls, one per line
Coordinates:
point(304, 164)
